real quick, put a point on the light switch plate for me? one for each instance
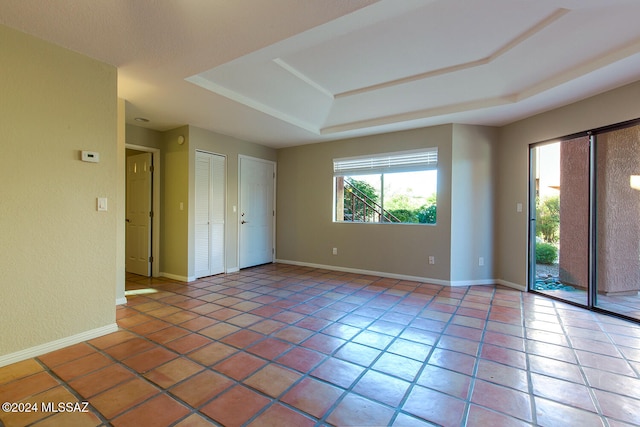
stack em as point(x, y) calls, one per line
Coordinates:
point(102, 204)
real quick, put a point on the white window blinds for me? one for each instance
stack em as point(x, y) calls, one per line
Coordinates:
point(402, 161)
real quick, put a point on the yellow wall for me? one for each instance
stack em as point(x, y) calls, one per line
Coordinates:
point(174, 191)
point(136, 135)
point(57, 253)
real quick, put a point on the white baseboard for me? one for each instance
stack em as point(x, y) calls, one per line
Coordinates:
point(121, 301)
point(480, 282)
point(41, 349)
point(368, 272)
point(397, 276)
point(516, 286)
point(177, 277)
point(233, 270)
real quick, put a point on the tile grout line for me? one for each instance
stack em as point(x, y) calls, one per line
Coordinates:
point(530, 389)
point(370, 368)
point(70, 389)
point(140, 375)
point(476, 364)
point(590, 390)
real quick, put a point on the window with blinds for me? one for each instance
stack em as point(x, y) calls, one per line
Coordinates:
point(398, 187)
point(403, 161)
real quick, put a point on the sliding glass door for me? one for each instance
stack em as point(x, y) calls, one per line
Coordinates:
point(617, 221)
point(585, 219)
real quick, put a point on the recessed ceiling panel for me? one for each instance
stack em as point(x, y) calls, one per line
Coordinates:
point(270, 88)
point(384, 64)
point(436, 36)
point(452, 92)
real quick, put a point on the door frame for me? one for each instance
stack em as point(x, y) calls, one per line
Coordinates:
point(275, 210)
point(155, 221)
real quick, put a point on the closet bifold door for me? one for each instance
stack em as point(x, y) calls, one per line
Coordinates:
point(209, 221)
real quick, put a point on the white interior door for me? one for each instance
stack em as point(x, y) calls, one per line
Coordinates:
point(209, 214)
point(138, 230)
point(257, 211)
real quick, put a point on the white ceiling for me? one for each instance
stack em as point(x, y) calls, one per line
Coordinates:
point(288, 72)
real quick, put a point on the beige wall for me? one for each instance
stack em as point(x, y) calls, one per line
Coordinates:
point(306, 232)
point(472, 204)
point(58, 254)
point(512, 169)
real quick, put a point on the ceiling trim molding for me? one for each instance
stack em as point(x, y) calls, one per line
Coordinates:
point(419, 114)
point(624, 52)
point(535, 29)
point(300, 75)
point(252, 103)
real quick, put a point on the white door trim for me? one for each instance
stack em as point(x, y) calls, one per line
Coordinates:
point(155, 222)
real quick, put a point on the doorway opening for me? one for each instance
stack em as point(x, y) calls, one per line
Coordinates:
point(141, 243)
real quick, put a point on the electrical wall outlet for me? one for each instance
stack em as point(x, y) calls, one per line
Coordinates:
point(481, 261)
point(335, 251)
point(432, 259)
point(90, 156)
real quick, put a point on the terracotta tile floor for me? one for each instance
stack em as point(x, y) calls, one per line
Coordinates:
point(282, 345)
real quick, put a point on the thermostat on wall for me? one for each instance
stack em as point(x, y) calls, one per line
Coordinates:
point(90, 156)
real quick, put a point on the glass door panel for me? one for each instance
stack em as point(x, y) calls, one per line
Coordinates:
point(618, 221)
point(560, 219)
